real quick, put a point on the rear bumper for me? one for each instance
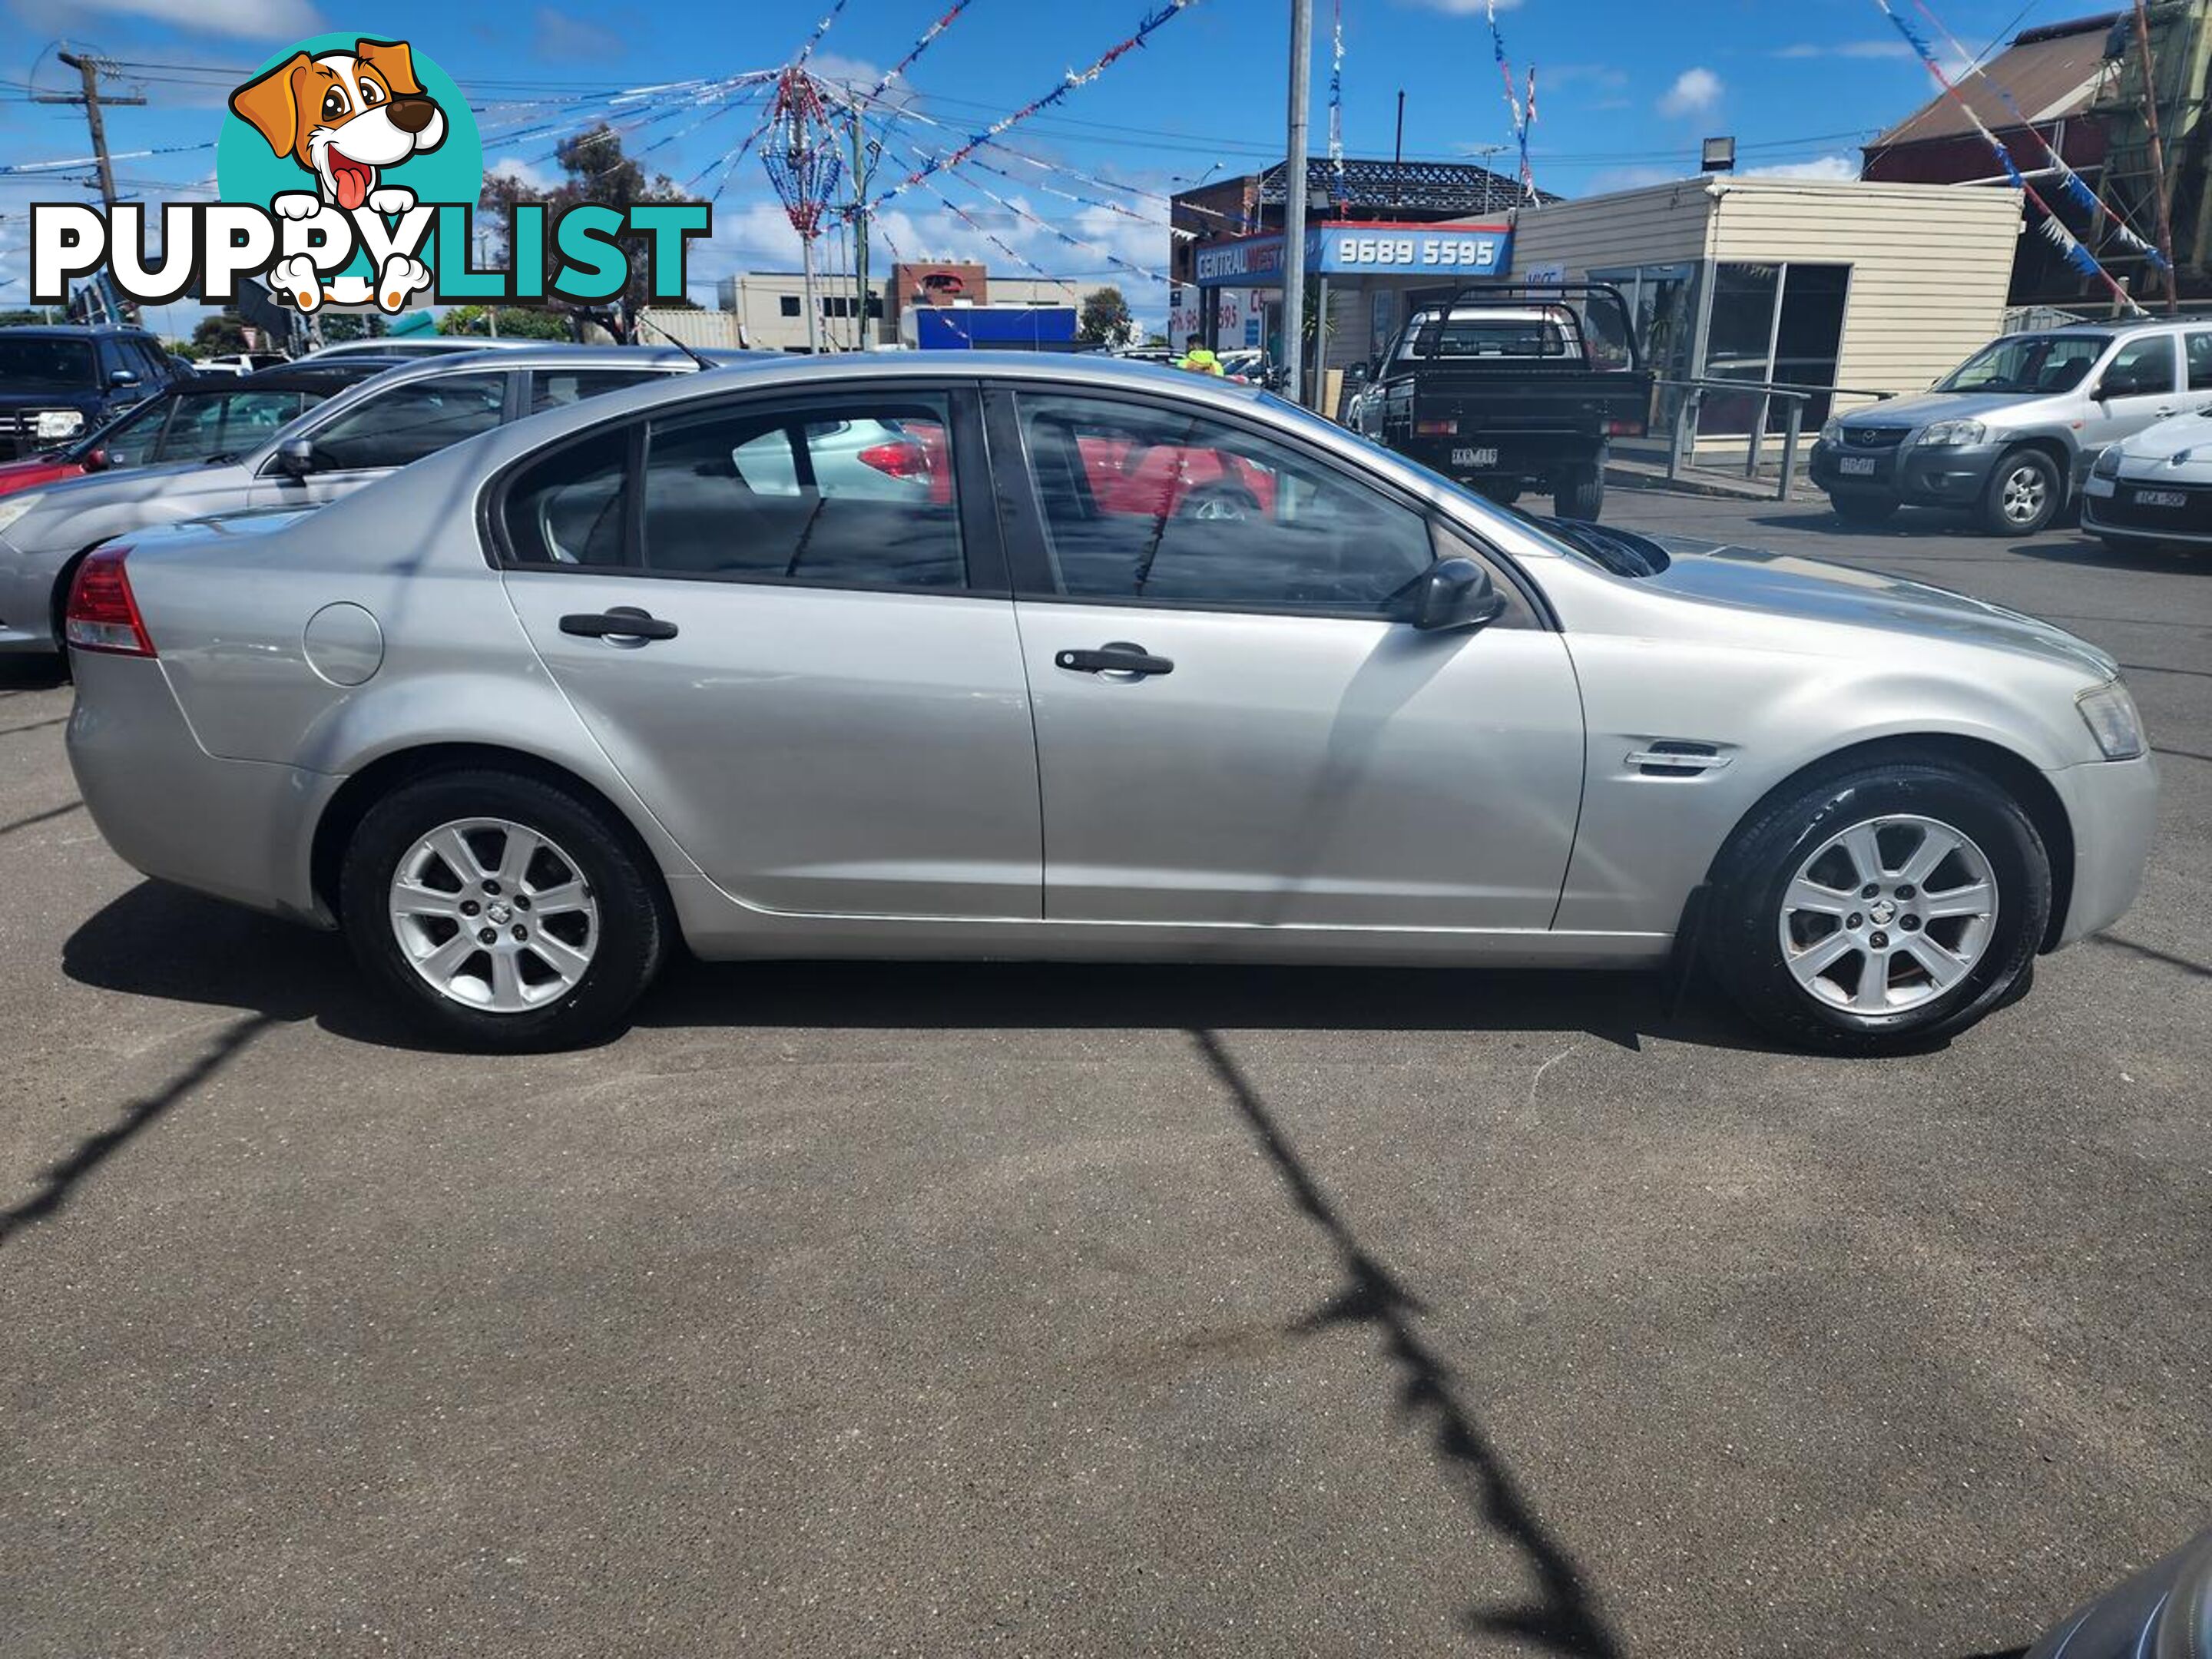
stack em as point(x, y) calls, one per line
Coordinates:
point(242, 831)
point(2112, 806)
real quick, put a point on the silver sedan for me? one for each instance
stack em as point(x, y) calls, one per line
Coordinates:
point(519, 718)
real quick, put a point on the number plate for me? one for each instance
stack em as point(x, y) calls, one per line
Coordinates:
point(1474, 456)
point(2161, 498)
point(1855, 466)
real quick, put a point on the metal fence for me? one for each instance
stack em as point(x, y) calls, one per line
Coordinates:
point(1683, 441)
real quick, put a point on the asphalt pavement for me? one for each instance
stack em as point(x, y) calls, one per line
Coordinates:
point(916, 1310)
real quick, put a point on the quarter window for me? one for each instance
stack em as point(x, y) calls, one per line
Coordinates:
point(571, 506)
point(1146, 503)
point(860, 496)
point(411, 421)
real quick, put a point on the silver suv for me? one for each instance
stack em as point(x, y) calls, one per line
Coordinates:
point(2011, 433)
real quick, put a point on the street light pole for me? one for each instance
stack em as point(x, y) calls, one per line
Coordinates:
point(1294, 203)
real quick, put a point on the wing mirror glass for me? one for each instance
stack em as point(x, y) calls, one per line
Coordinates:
point(123, 377)
point(296, 457)
point(1456, 593)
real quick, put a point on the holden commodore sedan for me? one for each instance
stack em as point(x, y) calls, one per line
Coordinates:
point(520, 717)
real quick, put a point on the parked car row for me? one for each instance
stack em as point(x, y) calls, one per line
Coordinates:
point(2105, 416)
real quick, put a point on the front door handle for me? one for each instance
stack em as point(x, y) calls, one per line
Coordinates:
point(624, 622)
point(1118, 657)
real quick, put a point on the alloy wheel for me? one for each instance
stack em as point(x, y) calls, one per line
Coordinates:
point(494, 915)
point(1889, 915)
point(2024, 491)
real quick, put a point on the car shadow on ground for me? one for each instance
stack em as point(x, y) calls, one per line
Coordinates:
point(25, 674)
point(215, 954)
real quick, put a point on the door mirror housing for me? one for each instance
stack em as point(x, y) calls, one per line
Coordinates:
point(296, 457)
point(123, 377)
point(1357, 374)
point(1455, 593)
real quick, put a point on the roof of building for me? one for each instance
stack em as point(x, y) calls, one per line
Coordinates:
point(1423, 186)
point(2051, 72)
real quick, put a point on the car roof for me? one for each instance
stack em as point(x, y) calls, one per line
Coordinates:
point(70, 330)
point(287, 377)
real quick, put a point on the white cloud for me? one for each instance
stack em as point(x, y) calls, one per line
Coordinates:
point(1824, 167)
point(1462, 8)
point(1849, 49)
point(277, 21)
point(534, 174)
point(1695, 92)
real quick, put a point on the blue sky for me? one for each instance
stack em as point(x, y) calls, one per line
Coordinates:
point(1626, 88)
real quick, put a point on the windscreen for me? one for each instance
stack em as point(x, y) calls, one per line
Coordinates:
point(2038, 363)
point(34, 365)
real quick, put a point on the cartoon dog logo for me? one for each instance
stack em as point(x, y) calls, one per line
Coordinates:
point(345, 117)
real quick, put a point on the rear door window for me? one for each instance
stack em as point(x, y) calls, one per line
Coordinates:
point(2198, 350)
point(557, 388)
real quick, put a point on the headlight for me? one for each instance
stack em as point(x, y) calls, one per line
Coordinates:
point(1833, 435)
point(57, 423)
point(2108, 462)
point(1952, 434)
point(13, 507)
point(2110, 713)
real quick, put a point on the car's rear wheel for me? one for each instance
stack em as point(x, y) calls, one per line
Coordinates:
point(2024, 493)
point(504, 913)
point(1878, 909)
point(1864, 508)
point(1580, 494)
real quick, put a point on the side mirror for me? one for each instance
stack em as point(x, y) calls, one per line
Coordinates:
point(1455, 593)
point(296, 457)
point(123, 377)
point(1356, 376)
point(95, 460)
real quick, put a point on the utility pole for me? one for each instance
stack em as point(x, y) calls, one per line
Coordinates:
point(2157, 161)
point(866, 151)
point(90, 70)
point(1294, 204)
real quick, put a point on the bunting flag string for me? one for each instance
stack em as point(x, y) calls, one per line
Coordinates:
point(1076, 242)
point(1528, 120)
point(2053, 228)
point(1114, 208)
point(1074, 78)
point(1505, 69)
point(820, 29)
point(2076, 188)
point(1336, 100)
point(919, 47)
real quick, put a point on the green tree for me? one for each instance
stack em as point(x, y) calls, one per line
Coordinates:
point(1105, 319)
point(516, 322)
point(219, 335)
point(593, 168)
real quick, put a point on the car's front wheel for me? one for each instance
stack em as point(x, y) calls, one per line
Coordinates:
point(1877, 909)
point(504, 913)
point(2025, 493)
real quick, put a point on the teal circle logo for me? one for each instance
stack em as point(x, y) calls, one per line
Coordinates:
point(345, 118)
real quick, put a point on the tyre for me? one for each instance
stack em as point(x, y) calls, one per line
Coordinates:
point(1878, 909)
point(1862, 509)
point(1224, 502)
point(504, 913)
point(1580, 494)
point(1503, 495)
point(2024, 493)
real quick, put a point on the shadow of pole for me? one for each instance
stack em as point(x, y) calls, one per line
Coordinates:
point(1562, 1618)
point(58, 1181)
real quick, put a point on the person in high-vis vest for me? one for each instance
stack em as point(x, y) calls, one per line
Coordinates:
point(1197, 359)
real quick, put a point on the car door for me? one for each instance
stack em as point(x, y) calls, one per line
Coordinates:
point(1291, 751)
point(2138, 385)
point(817, 688)
point(387, 429)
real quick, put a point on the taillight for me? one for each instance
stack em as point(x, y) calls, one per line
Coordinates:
point(103, 615)
point(1624, 429)
point(1437, 428)
point(901, 459)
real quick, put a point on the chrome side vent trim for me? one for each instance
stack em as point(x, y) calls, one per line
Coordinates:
point(1675, 757)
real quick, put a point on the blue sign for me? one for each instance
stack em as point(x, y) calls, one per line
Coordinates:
point(1371, 250)
point(1441, 251)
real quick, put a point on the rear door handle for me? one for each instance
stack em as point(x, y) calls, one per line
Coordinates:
point(1118, 657)
point(621, 623)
